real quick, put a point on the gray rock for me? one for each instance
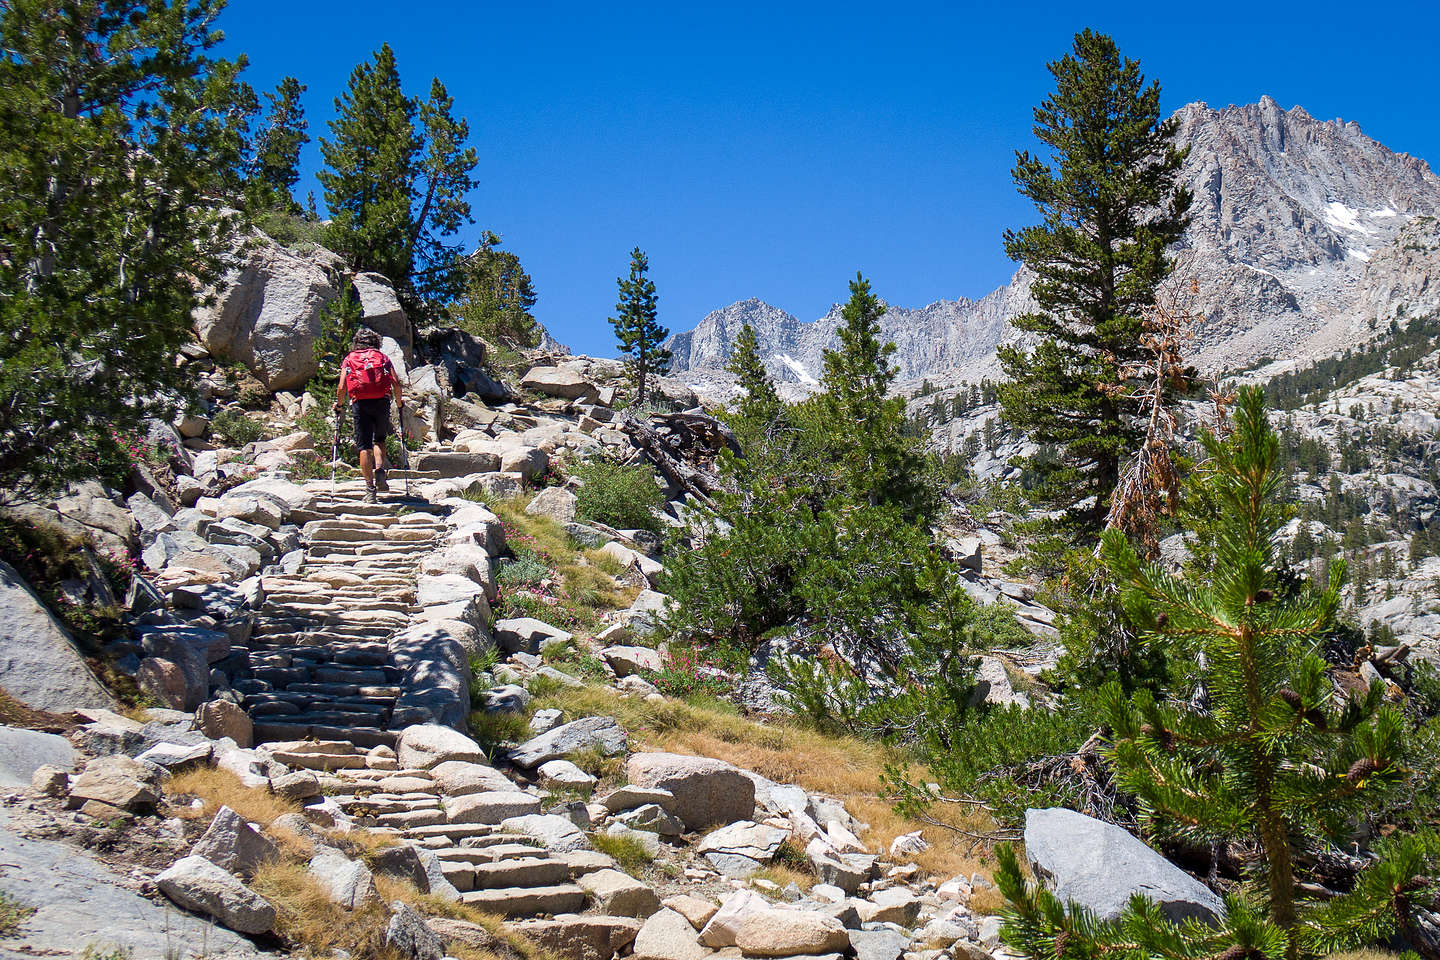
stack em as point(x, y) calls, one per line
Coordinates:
point(119, 782)
point(232, 843)
point(1099, 866)
point(418, 865)
point(348, 882)
point(22, 752)
point(626, 661)
point(114, 916)
point(602, 733)
point(426, 745)
point(741, 848)
point(558, 382)
point(39, 663)
point(269, 314)
point(707, 791)
point(652, 818)
point(409, 936)
point(543, 721)
point(490, 806)
point(195, 883)
point(509, 698)
point(527, 635)
point(667, 935)
point(556, 834)
point(557, 503)
point(619, 894)
point(878, 944)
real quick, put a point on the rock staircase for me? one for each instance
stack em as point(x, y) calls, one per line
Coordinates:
point(320, 666)
point(322, 694)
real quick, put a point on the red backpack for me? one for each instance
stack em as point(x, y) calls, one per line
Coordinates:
point(368, 375)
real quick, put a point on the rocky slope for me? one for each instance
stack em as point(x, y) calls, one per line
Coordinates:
point(1307, 236)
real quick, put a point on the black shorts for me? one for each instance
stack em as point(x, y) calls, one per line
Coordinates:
point(372, 421)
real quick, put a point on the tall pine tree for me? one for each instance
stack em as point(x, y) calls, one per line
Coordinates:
point(443, 179)
point(371, 161)
point(882, 465)
point(637, 330)
point(274, 168)
point(759, 404)
point(1110, 207)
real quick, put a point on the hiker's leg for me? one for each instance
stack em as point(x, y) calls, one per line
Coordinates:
point(367, 467)
point(381, 460)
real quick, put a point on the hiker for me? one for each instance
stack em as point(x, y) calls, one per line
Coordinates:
point(367, 378)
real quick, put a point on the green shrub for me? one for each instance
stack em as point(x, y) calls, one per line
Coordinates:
point(617, 495)
point(234, 429)
point(290, 229)
point(526, 568)
point(493, 730)
point(317, 424)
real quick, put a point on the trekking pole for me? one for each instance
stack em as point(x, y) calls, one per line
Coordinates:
point(334, 453)
point(404, 451)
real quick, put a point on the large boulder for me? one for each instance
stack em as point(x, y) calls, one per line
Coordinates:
point(552, 832)
point(557, 503)
point(602, 733)
point(558, 382)
point(574, 936)
point(39, 663)
point(269, 313)
point(707, 792)
point(427, 745)
point(410, 936)
point(1100, 866)
point(348, 882)
point(195, 883)
point(381, 309)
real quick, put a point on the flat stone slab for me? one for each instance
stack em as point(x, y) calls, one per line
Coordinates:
point(55, 878)
point(22, 752)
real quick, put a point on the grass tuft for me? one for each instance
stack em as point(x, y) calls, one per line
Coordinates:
point(13, 913)
point(628, 852)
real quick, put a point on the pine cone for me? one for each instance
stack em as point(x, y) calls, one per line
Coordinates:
point(1317, 719)
point(1264, 596)
point(1361, 769)
point(1236, 952)
point(1291, 697)
point(1062, 940)
point(1413, 884)
point(1161, 620)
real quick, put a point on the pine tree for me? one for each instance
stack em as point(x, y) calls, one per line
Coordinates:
point(1109, 208)
point(371, 161)
point(444, 179)
point(274, 169)
point(636, 329)
point(882, 465)
point(119, 128)
point(759, 404)
point(497, 296)
point(1268, 760)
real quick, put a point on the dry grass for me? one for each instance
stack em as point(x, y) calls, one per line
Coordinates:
point(1366, 953)
point(219, 788)
point(842, 767)
point(306, 916)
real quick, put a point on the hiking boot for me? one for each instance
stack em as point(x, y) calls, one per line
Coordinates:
point(370, 496)
point(382, 484)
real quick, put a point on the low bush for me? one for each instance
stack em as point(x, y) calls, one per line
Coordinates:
point(233, 429)
point(617, 495)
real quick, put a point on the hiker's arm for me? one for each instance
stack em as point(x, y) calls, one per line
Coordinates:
point(340, 396)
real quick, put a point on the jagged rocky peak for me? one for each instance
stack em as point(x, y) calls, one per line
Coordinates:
point(1307, 236)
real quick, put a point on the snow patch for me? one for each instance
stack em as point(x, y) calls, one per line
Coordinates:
point(1267, 273)
point(1362, 255)
point(797, 368)
point(1344, 218)
point(1384, 213)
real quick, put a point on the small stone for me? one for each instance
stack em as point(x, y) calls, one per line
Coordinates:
point(298, 786)
point(786, 933)
point(566, 775)
point(348, 882)
point(694, 909)
point(118, 781)
point(409, 936)
point(51, 781)
point(651, 818)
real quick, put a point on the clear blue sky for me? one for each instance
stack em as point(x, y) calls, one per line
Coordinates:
point(771, 150)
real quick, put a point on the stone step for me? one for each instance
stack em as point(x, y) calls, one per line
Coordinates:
point(410, 819)
point(527, 901)
point(366, 736)
point(456, 832)
point(492, 853)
